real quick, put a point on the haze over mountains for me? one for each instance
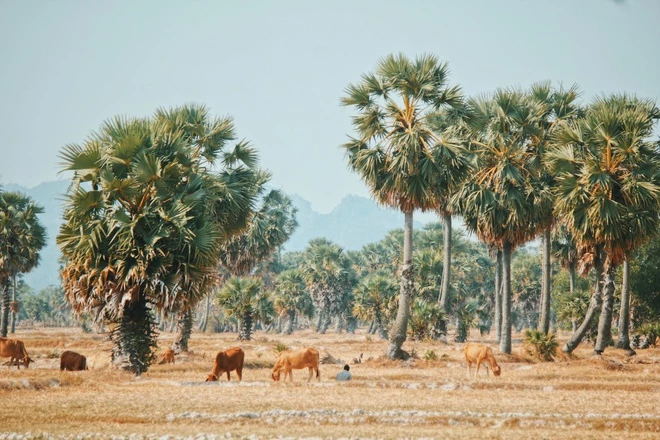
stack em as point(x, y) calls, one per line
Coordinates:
point(356, 221)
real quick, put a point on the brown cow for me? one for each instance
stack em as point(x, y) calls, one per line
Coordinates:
point(297, 360)
point(226, 361)
point(478, 354)
point(15, 351)
point(167, 358)
point(72, 361)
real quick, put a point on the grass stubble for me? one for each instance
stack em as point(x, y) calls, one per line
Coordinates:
point(578, 397)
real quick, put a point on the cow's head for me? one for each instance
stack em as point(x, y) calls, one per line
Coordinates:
point(212, 378)
point(497, 370)
point(26, 361)
point(276, 375)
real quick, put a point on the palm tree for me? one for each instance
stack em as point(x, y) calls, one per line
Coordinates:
point(242, 298)
point(375, 301)
point(22, 236)
point(608, 191)
point(558, 105)
point(396, 151)
point(150, 204)
point(501, 201)
point(330, 279)
point(292, 298)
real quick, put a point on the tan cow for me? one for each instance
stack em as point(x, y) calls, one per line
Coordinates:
point(297, 360)
point(15, 351)
point(478, 354)
point(72, 361)
point(226, 361)
point(167, 358)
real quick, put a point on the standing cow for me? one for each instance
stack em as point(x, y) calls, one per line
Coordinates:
point(226, 361)
point(297, 360)
point(72, 361)
point(15, 351)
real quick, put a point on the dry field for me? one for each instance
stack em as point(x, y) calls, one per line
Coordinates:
point(583, 397)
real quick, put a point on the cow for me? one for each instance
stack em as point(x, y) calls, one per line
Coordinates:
point(226, 361)
point(297, 360)
point(15, 351)
point(478, 354)
point(72, 361)
point(167, 358)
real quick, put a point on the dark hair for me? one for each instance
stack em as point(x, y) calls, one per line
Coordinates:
point(346, 367)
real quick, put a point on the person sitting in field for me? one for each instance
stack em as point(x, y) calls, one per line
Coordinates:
point(344, 374)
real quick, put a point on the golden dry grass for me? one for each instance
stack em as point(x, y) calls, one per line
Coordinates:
point(582, 396)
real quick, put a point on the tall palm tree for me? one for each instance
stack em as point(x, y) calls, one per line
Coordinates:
point(22, 236)
point(558, 105)
point(501, 202)
point(243, 298)
point(608, 190)
point(292, 298)
point(396, 151)
point(150, 204)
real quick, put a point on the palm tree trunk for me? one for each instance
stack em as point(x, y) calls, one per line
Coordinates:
point(245, 333)
point(341, 323)
point(571, 277)
point(594, 305)
point(371, 326)
point(378, 321)
point(546, 243)
point(498, 296)
point(4, 318)
point(184, 329)
point(291, 319)
point(13, 299)
point(135, 338)
point(446, 268)
point(505, 336)
point(203, 323)
point(605, 322)
point(400, 327)
point(319, 321)
point(624, 313)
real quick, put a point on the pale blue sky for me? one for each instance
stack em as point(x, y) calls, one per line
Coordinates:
point(279, 67)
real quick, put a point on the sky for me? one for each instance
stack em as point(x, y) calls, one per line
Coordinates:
point(279, 68)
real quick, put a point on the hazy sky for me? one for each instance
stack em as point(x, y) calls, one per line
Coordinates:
point(279, 67)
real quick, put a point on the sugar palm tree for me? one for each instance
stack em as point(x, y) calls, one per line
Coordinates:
point(330, 280)
point(608, 190)
point(375, 301)
point(292, 298)
point(243, 299)
point(150, 204)
point(502, 201)
point(396, 152)
point(558, 105)
point(22, 236)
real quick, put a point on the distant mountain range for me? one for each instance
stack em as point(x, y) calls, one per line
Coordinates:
point(356, 221)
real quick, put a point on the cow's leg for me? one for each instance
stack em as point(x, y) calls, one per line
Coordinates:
point(311, 371)
point(18, 363)
point(228, 377)
point(469, 369)
point(239, 372)
point(478, 366)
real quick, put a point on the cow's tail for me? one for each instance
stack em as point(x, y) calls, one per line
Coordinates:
point(318, 373)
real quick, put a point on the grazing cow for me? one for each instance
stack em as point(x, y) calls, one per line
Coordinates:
point(15, 351)
point(168, 357)
point(72, 361)
point(297, 360)
point(226, 361)
point(478, 354)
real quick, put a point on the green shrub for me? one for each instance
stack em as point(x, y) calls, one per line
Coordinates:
point(430, 355)
point(280, 347)
point(648, 334)
point(540, 345)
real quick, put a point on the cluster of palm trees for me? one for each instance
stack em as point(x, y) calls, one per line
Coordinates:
point(22, 236)
point(514, 166)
